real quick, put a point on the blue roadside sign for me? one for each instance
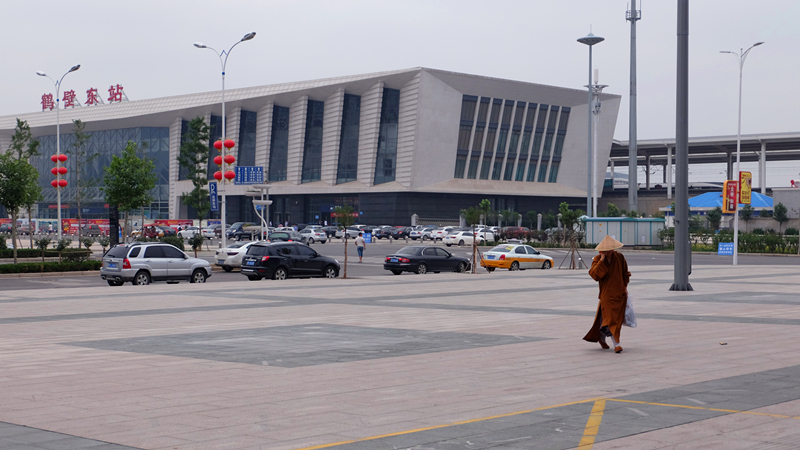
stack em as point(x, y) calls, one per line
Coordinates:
point(368, 238)
point(725, 249)
point(212, 193)
point(249, 175)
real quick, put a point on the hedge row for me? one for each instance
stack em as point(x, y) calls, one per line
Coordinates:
point(36, 253)
point(50, 267)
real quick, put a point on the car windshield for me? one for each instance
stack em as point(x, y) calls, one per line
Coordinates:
point(503, 248)
point(408, 251)
point(119, 251)
point(279, 235)
point(257, 250)
point(237, 245)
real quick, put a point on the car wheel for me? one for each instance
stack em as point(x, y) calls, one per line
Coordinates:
point(397, 272)
point(422, 269)
point(462, 267)
point(114, 283)
point(424, 238)
point(490, 269)
point(330, 272)
point(311, 240)
point(254, 278)
point(142, 278)
point(449, 245)
point(239, 237)
point(514, 266)
point(546, 265)
point(198, 276)
point(227, 268)
point(461, 243)
point(279, 274)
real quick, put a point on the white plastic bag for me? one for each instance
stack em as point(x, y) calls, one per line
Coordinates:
point(630, 315)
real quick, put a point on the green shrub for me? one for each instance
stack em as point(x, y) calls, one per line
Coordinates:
point(196, 242)
point(173, 240)
point(792, 232)
point(50, 267)
point(87, 242)
point(104, 242)
point(3, 245)
point(36, 253)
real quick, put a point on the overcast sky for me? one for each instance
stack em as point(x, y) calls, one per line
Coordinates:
point(146, 46)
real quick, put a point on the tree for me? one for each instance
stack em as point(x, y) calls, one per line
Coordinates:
point(746, 214)
point(472, 216)
point(128, 181)
point(613, 211)
point(345, 215)
point(780, 214)
point(485, 207)
point(714, 218)
point(569, 218)
point(82, 159)
point(194, 158)
point(533, 218)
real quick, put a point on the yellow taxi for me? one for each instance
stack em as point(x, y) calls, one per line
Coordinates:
point(515, 257)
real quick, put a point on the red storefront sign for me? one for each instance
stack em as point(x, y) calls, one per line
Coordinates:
point(730, 197)
point(70, 226)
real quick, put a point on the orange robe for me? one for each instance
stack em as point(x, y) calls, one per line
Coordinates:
point(613, 277)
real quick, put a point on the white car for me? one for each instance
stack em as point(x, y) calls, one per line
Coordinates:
point(189, 232)
point(440, 233)
point(314, 235)
point(352, 233)
point(208, 232)
point(231, 256)
point(461, 238)
point(423, 234)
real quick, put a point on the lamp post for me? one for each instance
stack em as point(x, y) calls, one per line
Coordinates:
point(590, 40)
point(223, 61)
point(597, 89)
point(741, 57)
point(57, 85)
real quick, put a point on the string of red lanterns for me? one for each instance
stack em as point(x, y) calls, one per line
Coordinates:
point(59, 171)
point(224, 161)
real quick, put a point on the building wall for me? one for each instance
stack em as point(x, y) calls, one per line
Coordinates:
point(790, 197)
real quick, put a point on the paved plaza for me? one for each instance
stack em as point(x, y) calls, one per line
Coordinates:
point(426, 362)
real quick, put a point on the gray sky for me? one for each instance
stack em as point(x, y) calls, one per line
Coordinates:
point(146, 46)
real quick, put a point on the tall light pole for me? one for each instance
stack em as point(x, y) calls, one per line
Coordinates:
point(590, 40)
point(633, 186)
point(57, 85)
point(223, 61)
point(597, 89)
point(741, 57)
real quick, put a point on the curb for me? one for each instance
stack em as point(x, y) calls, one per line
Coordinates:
point(51, 274)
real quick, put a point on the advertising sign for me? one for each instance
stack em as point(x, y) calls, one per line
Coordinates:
point(730, 196)
point(249, 175)
point(212, 191)
point(175, 223)
point(70, 226)
point(745, 187)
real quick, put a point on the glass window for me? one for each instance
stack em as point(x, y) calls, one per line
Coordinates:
point(520, 112)
point(473, 167)
point(498, 165)
point(520, 250)
point(512, 144)
point(461, 162)
point(442, 252)
point(501, 141)
point(305, 251)
point(562, 124)
point(531, 115)
point(285, 250)
point(526, 142)
point(135, 252)
point(562, 132)
point(542, 172)
point(531, 171)
point(312, 151)
point(121, 251)
point(548, 141)
point(430, 251)
point(279, 143)
point(468, 108)
point(154, 251)
point(477, 141)
point(507, 112)
point(520, 170)
point(490, 135)
point(172, 252)
point(553, 172)
point(537, 143)
point(183, 172)
point(214, 136)
point(247, 139)
point(483, 109)
point(509, 172)
point(487, 162)
point(387, 137)
point(463, 137)
point(531, 250)
point(495, 111)
point(348, 141)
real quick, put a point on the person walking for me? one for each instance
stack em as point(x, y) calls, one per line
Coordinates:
point(610, 270)
point(360, 244)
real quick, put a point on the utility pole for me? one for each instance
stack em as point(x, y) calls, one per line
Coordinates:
point(633, 16)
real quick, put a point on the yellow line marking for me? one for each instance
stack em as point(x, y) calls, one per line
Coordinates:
point(733, 411)
point(592, 425)
point(400, 433)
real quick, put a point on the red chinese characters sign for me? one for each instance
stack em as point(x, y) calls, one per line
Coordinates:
point(730, 197)
point(47, 102)
point(116, 94)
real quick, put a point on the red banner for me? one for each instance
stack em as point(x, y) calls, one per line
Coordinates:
point(70, 226)
point(175, 223)
point(730, 197)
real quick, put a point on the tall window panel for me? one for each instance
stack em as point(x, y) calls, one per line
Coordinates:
point(562, 131)
point(472, 173)
point(478, 141)
point(501, 141)
point(214, 136)
point(468, 105)
point(461, 164)
point(513, 142)
point(520, 170)
point(247, 139)
point(348, 141)
point(486, 166)
point(498, 165)
point(495, 111)
point(483, 109)
point(542, 171)
point(553, 172)
point(531, 171)
point(539, 132)
point(183, 172)
point(463, 136)
point(387, 137)
point(312, 149)
point(279, 143)
point(526, 142)
point(509, 172)
point(551, 129)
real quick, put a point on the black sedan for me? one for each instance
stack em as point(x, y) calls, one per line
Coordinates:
point(282, 260)
point(424, 259)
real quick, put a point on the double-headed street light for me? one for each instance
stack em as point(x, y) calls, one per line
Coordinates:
point(590, 40)
point(223, 60)
point(741, 56)
point(58, 160)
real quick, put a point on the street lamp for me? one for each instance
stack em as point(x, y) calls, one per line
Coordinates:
point(741, 56)
point(224, 62)
point(57, 85)
point(597, 89)
point(590, 40)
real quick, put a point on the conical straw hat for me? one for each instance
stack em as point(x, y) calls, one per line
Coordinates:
point(608, 243)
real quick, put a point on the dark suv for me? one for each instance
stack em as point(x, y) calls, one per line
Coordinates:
point(281, 260)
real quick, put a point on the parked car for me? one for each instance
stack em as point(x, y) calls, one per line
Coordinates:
point(5, 228)
point(91, 230)
point(400, 232)
point(287, 236)
point(423, 259)
point(314, 235)
point(515, 257)
point(439, 233)
point(330, 231)
point(382, 232)
point(236, 228)
point(421, 233)
point(352, 233)
point(281, 260)
point(235, 255)
point(208, 232)
point(221, 256)
point(462, 238)
point(144, 262)
point(189, 232)
point(515, 232)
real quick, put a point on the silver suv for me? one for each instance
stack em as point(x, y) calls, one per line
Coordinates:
point(142, 263)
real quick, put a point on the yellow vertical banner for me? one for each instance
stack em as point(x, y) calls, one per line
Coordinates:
point(745, 187)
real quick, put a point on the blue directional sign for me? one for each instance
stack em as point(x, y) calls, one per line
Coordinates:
point(725, 249)
point(212, 191)
point(249, 175)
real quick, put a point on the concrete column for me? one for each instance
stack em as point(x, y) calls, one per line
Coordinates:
point(331, 136)
point(174, 167)
point(647, 171)
point(368, 130)
point(762, 168)
point(669, 172)
point(264, 136)
point(232, 124)
point(612, 174)
point(297, 137)
point(664, 174)
point(539, 222)
point(407, 131)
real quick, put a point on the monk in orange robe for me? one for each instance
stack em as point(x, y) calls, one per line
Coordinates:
point(610, 269)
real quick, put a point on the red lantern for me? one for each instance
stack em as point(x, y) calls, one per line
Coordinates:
point(230, 174)
point(218, 145)
point(62, 170)
point(54, 171)
point(62, 157)
point(62, 183)
point(54, 183)
point(218, 160)
point(54, 158)
point(218, 175)
point(230, 159)
point(229, 143)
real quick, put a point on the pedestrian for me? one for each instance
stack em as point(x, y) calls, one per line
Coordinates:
point(360, 244)
point(610, 269)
